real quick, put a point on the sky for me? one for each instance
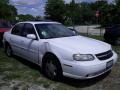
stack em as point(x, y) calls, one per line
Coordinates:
point(36, 7)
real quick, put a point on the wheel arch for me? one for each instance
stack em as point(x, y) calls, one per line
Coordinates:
point(52, 55)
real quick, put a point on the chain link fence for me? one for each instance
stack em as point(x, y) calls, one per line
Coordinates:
point(90, 30)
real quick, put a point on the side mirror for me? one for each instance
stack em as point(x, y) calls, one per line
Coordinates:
point(73, 30)
point(31, 36)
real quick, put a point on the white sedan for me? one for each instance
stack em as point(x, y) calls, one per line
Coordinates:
point(58, 50)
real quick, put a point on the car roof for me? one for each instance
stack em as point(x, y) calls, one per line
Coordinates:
point(40, 22)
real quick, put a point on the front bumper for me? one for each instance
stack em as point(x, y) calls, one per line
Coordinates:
point(86, 69)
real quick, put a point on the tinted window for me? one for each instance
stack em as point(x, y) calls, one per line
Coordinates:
point(17, 29)
point(29, 29)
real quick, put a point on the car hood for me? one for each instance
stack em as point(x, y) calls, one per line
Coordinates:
point(80, 44)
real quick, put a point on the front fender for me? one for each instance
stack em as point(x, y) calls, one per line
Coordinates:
point(61, 52)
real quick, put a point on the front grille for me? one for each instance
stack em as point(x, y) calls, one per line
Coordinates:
point(104, 55)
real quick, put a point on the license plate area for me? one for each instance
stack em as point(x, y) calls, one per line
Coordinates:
point(109, 64)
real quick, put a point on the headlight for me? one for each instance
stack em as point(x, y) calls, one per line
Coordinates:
point(83, 57)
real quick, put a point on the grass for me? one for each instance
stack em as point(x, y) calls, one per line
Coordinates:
point(18, 69)
point(15, 68)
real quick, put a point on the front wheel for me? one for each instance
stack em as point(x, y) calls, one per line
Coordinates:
point(8, 51)
point(52, 68)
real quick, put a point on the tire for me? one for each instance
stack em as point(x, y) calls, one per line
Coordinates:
point(8, 51)
point(52, 68)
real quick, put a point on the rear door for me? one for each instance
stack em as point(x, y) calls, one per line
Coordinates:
point(16, 39)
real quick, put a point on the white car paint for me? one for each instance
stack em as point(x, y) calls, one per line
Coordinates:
point(63, 48)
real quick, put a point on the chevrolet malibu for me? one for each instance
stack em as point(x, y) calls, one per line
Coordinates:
point(59, 51)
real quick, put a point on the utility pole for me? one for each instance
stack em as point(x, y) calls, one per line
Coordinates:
point(98, 21)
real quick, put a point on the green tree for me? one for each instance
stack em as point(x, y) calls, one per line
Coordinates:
point(115, 12)
point(25, 17)
point(72, 14)
point(109, 13)
point(55, 10)
point(87, 14)
point(7, 11)
point(80, 13)
point(104, 12)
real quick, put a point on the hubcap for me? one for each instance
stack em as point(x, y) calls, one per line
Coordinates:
point(50, 69)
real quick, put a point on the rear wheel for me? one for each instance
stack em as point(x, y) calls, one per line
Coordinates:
point(8, 51)
point(52, 68)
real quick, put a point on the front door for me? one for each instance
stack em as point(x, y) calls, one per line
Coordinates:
point(30, 47)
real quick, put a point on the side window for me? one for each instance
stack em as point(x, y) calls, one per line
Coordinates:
point(17, 29)
point(29, 29)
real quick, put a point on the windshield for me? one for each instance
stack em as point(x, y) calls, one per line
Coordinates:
point(47, 31)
